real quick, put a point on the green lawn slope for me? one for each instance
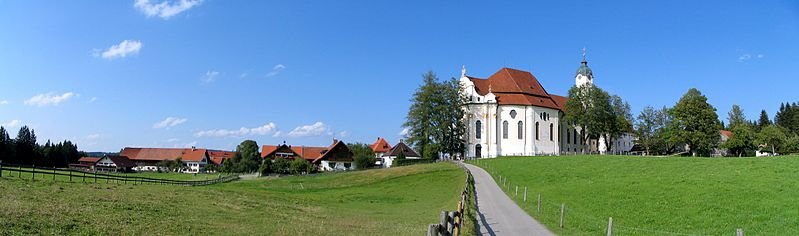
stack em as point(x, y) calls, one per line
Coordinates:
point(657, 196)
point(396, 201)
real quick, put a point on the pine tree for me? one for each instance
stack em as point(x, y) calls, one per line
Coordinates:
point(736, 117)
point(420, 122)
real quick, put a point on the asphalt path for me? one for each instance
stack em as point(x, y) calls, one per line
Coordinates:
point(498, 214)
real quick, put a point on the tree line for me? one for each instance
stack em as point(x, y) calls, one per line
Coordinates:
point(25, 150)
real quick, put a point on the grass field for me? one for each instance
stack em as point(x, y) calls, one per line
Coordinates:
point(396, 201)
point(657, 196)
point(77, 176)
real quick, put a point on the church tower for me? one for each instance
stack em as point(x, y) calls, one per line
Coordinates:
point(584, 73)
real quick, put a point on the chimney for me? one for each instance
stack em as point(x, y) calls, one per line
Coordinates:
point(335, 140)
point(400, 140)
point(193, 148)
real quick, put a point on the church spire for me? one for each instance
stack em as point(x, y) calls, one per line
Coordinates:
point(584, 74)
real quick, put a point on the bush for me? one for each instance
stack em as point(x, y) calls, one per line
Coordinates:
point(265, 168)
point(363, 162)
point(299, 165)
point(407, 162)
point(280, 166)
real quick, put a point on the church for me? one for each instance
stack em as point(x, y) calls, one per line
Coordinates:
point(511, 114)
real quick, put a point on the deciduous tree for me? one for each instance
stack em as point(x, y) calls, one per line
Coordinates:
point(696, 123)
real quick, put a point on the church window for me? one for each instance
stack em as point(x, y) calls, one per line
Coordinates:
point(520, 130)
point(505, 129)
point(513, 114)
point(536, 130)
point(568, 137)
point(478, 129)
point(551, 131)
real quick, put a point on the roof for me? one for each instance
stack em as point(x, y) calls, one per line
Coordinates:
point(89, 159)
point(404, 149)
point(121, 161)
point(160, 154)
point(332, 150)
point(218, 156)
point(726, 133)
point(515, 87)
point(560, 101)
point(309, 153)
point(380, 146)
point(584, 69)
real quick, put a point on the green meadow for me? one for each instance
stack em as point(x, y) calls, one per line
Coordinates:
point(396, 201)
point(656, 195)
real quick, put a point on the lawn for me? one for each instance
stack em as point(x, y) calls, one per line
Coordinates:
point(657, 196)
point(396, 201)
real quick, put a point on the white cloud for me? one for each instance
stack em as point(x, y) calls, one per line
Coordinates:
point(314, 129)
point(12, 124)
point(4, 102)
point(760, 55)
point(342, 134)
point(172, 140)
point(243, 131)
point(49, 99)
point(123, 49)
point(277, 134)
point(276, 70)
point(93, 136)
point(165, 9)
point(749, 56)
point(210, 76)
point(169, 122)
point(404, 131)
point(93, 99)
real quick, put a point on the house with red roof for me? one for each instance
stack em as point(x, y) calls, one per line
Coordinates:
point(380, 147)
point(85, 163)
point(218, 156)
point(117, 164)
point(335, 157)
point(147, 159)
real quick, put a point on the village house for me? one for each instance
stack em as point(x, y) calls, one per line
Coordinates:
point(116, 164)
point(147, 159)
point(335, 157)
point(218, 156)
point(396, 151)
point(380, 147)
point(85, 163)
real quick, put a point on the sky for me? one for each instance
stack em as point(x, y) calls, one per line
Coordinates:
point(211, 73)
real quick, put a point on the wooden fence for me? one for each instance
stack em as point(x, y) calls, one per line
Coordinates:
point(451, 222)
point(94, 177)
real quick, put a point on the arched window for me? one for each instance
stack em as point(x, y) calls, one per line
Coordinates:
point(520, 130)
point(505, 129)
point(551, 132)
point(568, 137)
point(478, 150)
point(536, 130)
point(513, 114)
point(478, 129)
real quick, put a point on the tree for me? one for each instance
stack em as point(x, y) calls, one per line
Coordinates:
point(281, 165)
point(736, 117)
point(591, 108)
point(247, 157)
point(791, 145)
point(772, 137)
point(621, 122)
point(647, 126)
point(435, 119)
point(763, 121)
point(300, 166)
point(25, 146)
point(363, 154)
point(6, 145)
point(696, 123)
point(742, 140)
point(265, 168)
point(788, 117)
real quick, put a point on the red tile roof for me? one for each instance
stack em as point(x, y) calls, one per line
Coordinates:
point(380, 146)
point(160, 154)
point(726, 133)
point(516, 87)
point(309, 153)
point(218, 156)
point(89, 159)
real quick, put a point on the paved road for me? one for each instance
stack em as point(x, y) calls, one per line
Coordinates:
point(499, 215)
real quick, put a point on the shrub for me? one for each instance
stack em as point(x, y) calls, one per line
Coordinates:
point(299, 165)
point(363, 162)
point(280, 166)
point(265, 168)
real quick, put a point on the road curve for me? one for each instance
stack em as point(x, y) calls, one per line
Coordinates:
point(498, 214)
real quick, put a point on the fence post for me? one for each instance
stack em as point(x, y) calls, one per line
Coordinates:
point(517, 191)
point(70, 175)
point(1, 168)
point(539, 202)
point(84, 177)
point(95, 176)
point(739, 232)
point(562, 213)
point(610, 226)
point(442, 222)
point(525, 193)
point(450, 223)
point(33, 173)
point(53, 173)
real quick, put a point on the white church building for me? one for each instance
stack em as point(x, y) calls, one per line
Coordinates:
point(511, 114)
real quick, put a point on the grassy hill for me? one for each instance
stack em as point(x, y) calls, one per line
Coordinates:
point(396, 201)
point(658, 196)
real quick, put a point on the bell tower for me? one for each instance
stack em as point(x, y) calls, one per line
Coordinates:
point(584, 74)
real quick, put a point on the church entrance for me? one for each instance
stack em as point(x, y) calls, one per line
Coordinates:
point(478, 151)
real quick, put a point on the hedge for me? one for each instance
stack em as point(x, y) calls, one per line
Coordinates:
point(407, 162)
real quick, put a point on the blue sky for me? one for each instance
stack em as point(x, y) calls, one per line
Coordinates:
point(109, 74)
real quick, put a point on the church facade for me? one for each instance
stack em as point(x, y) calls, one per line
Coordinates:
point(511, 114)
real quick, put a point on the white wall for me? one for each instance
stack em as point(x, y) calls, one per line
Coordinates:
point(324, 165)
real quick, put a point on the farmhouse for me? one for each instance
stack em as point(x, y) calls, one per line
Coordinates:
point(511, 113)
point(337, 156)
point(85, 163)
point(147, 159)
point(114, 164)
point(217, 156)
point(400, 150)
point(380, 147)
